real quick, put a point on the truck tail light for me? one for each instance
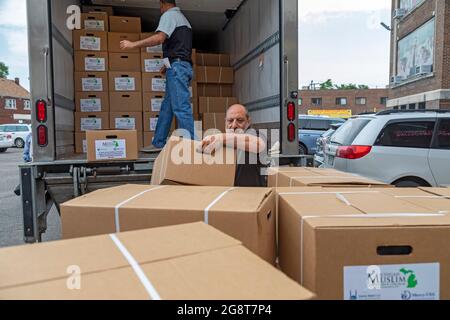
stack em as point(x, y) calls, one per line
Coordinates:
point(42, 136)
point(291, 111)
point(41, 111)
point(291, 132)
point(353, 152)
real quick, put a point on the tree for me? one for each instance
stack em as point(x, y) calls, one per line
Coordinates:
point(327, 85)
point(4, 70)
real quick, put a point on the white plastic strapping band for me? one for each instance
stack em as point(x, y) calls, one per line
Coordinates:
point(136, 268)
point(206, 211)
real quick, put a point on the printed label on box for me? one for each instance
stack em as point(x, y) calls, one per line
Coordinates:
point(156, 104)
point(392, 282)
point(191, 92)
point(110, 149)
point(92, 84)
point(153, 124)
point(96, 25)
point(126, 123)
point(158, 85)
point(125, 84)
point(91, 105)
point(153, 65)
point(84, 146)
point(91, 124)
point(95, 64)
point(90, 43)
point(158, 48)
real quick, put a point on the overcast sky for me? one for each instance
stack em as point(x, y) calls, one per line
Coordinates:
point(339, 39)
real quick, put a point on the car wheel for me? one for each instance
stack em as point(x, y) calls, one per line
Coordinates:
point(411, 183)
point(2, 150)
point(302, 150)
point(19, 143)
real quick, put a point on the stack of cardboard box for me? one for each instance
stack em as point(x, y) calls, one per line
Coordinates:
point(215, 79)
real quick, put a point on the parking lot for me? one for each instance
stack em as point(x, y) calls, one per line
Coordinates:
point(11, 227)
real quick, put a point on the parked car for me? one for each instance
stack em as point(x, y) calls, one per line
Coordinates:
point(5, 142)
point(403, 148)
point(18, 132)
point(322, 142)
point(312, 128)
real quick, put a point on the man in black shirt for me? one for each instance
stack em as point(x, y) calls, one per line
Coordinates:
point(248, 143)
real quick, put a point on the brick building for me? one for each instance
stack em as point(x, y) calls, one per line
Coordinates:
point(420, 55)
point(15, 105)
point(358, 101)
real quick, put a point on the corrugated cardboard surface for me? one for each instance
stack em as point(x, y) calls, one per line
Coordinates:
point(81, 56)
point(126, 101)
point(99, 75)
point(147, 81)
point(95, 17)
point(114, 39)
point(147, 100)
point(148, 139)
point(215, 90)
point(124, 62)
point(101, 36)
point(102, 96)
point(137, 116)
point(213, 60)
point(216, 104)
point(103, 116)
point(217, 75)
point(125, 24)
point(157, 49)
point(248, 214)
point(323, 231)
point(156, 57)
point(130, 137)
point(214, 121)
point(180, 262)
point(106, 9)
point(125, 74)
point(80, 142)
point(197, 169)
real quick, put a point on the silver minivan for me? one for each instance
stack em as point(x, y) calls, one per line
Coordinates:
point(403, 148)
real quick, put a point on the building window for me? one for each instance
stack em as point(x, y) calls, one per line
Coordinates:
point(403, 107)
point(383, 100)
point(395, 108)
point(316, 101)
point(300, 101)
point(11, 104)
point(341, 101)
point(412, 106)
point(409, 5)
point(416, 52)
point(422, 106)
point(26, 105)
point(361, 101)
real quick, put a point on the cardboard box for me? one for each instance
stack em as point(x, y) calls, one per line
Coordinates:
point(152, 62)
point(247, 214)
point(125, 62)
point(152, 101)
point(156, 49)
point(91, 81)
point(153, 82)
point(91, 61)
point(88, 40)
point(95, 21)
point(92, 102)
point(108, 145)
point(217, 75)
point(181, 163)
point(311, 177)
point(91, 121)
point(151, 121)
point(125, 81)
point(215, 104)
point(126, 121)
point(98, 9)
point(125, 24)
point(114, 39)
point(148, 139)
point(126, 101)
point(214, 121)
point(80, 142)
point(331, 241)
point(212, 60)
point(215, 90)
point(187, 256)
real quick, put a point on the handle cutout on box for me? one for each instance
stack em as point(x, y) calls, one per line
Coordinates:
point(126, 116)
point(111, 137)
point(124, 57)
point(92, 116)
point(92, 96)
point(90, 34)
point(269, 215)
point(125, 96)
point(91, 55)
point(394, 250)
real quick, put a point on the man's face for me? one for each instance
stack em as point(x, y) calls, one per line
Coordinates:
point(237, 119)
point(162, 7)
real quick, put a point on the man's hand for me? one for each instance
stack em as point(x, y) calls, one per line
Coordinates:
point(163, 70)
point(127, 45)
point(213, 143)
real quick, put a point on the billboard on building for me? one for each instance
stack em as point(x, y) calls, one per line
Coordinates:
point(347, 113)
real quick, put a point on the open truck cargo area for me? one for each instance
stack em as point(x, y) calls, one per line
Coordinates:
point(260, 36)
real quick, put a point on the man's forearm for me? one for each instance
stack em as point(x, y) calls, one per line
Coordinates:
point(152, 41)
point(245, 142)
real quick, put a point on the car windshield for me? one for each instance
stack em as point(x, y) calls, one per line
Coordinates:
point(347, 133)
point(2, 128)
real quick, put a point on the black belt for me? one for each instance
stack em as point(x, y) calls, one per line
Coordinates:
point(172, 60)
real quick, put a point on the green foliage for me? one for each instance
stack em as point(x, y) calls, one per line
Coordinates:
point(4, 70)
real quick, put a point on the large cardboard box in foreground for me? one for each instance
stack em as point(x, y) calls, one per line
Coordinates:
point(248, 214)
point(314, 177)
point(169, 262)
point(181, 163)
point(365, 243)
point(110, 145)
